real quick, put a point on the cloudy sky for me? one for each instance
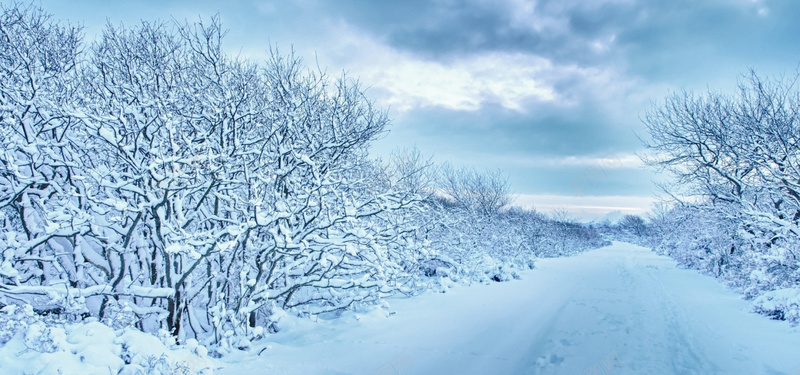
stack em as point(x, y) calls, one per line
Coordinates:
point(551, 91)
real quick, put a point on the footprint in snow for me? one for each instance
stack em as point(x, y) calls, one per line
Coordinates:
point(549, 360)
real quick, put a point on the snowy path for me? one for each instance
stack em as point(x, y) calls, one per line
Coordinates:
point(616, 310)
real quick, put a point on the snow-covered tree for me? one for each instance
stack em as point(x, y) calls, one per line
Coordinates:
point(484, 193)
point(739, 157)
point(199, 191)
point(41, 209)
point(150, 179)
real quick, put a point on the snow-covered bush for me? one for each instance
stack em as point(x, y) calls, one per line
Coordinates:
point(738, 156)
point(477, 237)
point(781, 304)
point(631, 228)
point(702, 238)
point(150, 181)
point(32, 344)
point(699, 239)
point(567, 237)
point(154, 181)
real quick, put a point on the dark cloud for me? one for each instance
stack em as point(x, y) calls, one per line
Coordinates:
point(610, 59)
point(661, 39)
point(449, 29)
point(691, 42)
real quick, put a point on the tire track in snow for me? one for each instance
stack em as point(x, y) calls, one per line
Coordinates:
point(682, 350)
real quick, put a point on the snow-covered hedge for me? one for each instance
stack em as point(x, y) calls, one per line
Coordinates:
point(494, 247)
point(705, 238)
point(781, 304)
point(32, 344)
point(738, 158)
point(203, 193)
point(150, 181)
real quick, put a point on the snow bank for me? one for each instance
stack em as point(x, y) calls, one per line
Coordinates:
point(781, 304)
point(32, 344)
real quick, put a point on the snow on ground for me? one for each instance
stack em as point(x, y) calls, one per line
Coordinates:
point(617, 310)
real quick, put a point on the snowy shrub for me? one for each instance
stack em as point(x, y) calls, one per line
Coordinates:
point(702, 238)
point(436, 267)
point(477, 239)
point(781, 304)
point(150, 181)
point(154, 181)
point(698, 238)
point(567, 237)
point(34, 344)
point(631, 228)
point(738, 157)
point(119, 315)
point(475, 248)
point(14, 319)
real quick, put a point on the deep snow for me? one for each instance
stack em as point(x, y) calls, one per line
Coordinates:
point(618, 310)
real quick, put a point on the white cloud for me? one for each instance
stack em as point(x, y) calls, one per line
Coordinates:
point(514, 81)
point(758, 6)
point(409, 82)
point(586, 207)
point(606, 161)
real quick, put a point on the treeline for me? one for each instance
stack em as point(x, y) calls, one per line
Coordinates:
point(149, 179)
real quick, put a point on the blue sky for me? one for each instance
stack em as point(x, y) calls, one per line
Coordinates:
point(550, 91)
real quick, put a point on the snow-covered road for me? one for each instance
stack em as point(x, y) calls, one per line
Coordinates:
point(616, 310)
